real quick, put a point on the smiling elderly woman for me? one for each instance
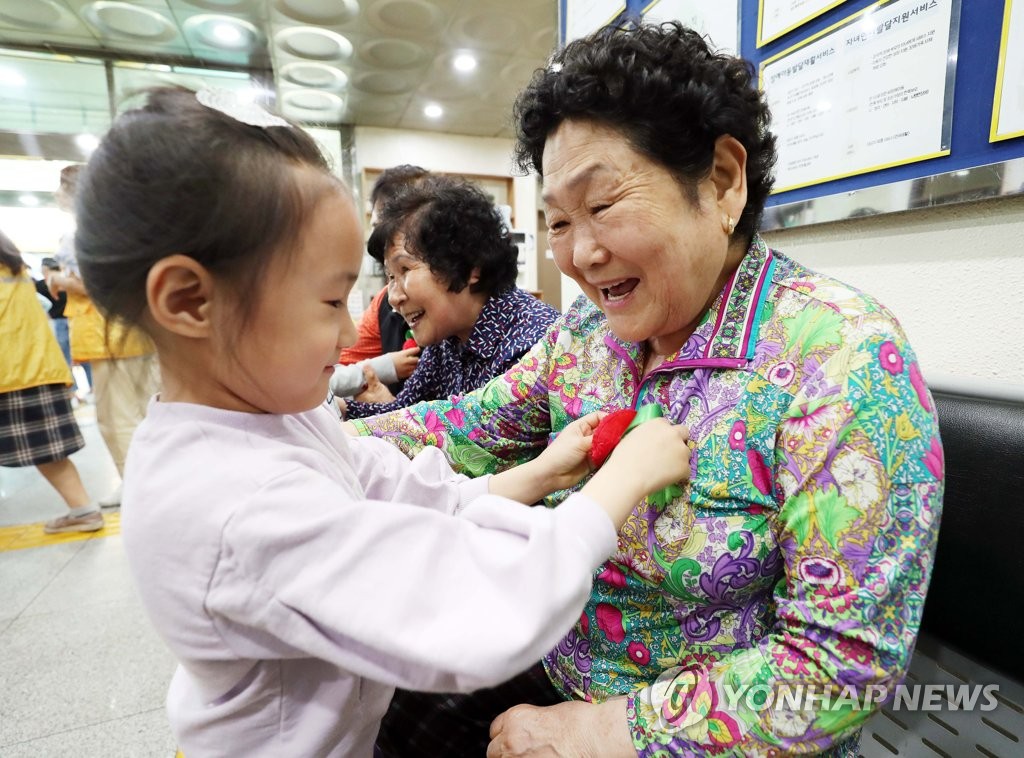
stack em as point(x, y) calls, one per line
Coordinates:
point(800, 552)
point(451, 268)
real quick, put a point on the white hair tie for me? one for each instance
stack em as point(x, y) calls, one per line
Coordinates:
point(229, 104)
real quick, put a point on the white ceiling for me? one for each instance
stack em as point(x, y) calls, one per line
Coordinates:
point(361, 62)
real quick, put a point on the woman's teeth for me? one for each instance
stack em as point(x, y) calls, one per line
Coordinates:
point(620, 290)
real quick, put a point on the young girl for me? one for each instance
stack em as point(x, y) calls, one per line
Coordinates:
point(297, 575)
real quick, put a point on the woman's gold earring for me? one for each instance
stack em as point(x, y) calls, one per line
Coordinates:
point(731, 225)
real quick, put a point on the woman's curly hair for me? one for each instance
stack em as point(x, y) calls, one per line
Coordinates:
point(667, 92)
point(453, 227)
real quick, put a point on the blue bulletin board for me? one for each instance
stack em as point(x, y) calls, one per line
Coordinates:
point(976, 59)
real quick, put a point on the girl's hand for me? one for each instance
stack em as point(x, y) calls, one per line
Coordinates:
point(653, 455)
point(565, 461)
point(562, 464)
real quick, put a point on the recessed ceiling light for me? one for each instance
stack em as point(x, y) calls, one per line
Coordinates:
point(226, 33)
point(30, 200)
point(88, 142)
point(464, 62)
point(11, 77)
point(433, 111)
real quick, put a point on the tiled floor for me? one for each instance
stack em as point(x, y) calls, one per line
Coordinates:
point(82, 673)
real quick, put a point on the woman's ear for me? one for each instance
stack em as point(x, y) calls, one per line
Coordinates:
point(729, 175)
point(474, 276)
point(179, 291)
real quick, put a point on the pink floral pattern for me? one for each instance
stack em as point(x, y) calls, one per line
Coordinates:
point(890, 358)
point(609, 621)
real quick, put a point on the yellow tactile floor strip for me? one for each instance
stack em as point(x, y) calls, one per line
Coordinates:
point(32, 535)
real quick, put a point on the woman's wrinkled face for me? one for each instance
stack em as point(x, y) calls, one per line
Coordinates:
point(433, 312)
point(621, 226)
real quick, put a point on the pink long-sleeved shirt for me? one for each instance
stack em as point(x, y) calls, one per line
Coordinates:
point(299, 576)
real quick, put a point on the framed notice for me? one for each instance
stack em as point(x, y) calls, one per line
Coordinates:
point(1008, 107)
point(778, 17)
point(873, 91)
point(585, 16)
point(719, 21)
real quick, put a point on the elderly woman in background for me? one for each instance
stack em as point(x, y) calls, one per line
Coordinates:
point(800, 552)
point(451, 266)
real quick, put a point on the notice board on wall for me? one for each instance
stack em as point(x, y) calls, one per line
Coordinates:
point(937, 112)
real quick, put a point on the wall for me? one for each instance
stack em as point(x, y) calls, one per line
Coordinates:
point(954, 276)
point(381, 148)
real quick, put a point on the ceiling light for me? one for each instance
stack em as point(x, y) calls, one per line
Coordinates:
point(12, 78)
point(87, 142)
point(433, 111)
point(30, 200)
point(226, 33)
point(464, 62)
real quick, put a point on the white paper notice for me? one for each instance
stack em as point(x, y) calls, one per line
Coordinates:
point(780, 16)
point(585, 16)
point(718, 21)
point(867, 95)
point(1008, 118)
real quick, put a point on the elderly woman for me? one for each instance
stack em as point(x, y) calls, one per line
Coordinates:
point(799, 554)
point(451, 267)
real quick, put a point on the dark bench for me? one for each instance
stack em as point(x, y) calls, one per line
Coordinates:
point(971, 632)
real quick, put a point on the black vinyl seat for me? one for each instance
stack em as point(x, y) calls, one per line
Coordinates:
point(971, 630)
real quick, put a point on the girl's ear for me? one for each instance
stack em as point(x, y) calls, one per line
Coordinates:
point(179, 291)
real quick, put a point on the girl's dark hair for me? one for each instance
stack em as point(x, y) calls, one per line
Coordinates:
point(10, 256)
point(669, 95)
point(175, 176)
point(453, 227)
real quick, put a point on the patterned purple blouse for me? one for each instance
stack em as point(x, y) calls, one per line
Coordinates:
point(508, 326)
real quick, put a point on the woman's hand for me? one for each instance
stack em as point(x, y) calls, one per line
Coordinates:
point(375, 391)
point(405, 361)
point(566, 730)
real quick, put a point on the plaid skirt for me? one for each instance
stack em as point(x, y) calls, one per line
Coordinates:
point(37, 426)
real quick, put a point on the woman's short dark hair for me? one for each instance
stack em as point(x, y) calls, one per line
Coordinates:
point(393, 180)
point(667, 92)
point(454, 228)
point(175, 176)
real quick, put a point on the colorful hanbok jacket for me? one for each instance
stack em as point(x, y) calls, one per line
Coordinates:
point(775, 603)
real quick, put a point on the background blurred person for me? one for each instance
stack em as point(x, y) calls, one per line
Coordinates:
point(37, 425)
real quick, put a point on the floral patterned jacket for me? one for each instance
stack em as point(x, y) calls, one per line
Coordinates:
point(799, 553)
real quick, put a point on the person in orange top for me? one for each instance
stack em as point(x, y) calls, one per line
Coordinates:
point(37, 425)
point(124, 369)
